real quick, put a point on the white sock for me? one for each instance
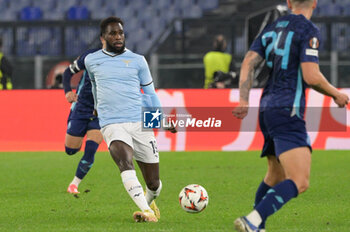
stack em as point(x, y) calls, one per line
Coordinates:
point(254, 218)
point(76, 181)
point(134, 188)
point(151, 195)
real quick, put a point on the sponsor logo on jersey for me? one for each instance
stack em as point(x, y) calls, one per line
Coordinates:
point(311, 52)
point(127, 62)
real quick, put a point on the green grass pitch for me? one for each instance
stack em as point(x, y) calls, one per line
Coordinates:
point(33, 193)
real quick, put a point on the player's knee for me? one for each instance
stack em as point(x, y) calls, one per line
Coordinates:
point(272, 179)
point(71, 151)
point(96, 137)
point(98, 140)
point(303, 185)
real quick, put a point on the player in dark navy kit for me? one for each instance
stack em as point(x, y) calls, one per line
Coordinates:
point(290, 47)
point(81, 121)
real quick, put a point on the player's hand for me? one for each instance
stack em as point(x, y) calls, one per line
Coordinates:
point(95, 113)
point(240, 111)
point(71, 97)
point(171, 128)
point(341, 99)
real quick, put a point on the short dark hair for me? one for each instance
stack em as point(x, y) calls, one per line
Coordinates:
point(105, 22)
point(220, 43)
point(301, 1)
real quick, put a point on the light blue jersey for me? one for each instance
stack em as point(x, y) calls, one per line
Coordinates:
point(116, 82)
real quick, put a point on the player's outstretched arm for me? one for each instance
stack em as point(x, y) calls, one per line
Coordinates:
point(148, 88)
point(251, 61)
point(313, 77)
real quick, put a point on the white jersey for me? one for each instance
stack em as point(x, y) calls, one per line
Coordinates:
point(116, 82)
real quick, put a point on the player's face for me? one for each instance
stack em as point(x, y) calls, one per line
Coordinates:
point(115, 38)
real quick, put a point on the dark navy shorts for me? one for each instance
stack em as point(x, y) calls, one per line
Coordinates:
point(282, 132)
point(79, 127)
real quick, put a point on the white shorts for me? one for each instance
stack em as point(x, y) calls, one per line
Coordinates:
point(142, 142)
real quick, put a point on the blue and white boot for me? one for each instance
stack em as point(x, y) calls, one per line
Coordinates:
point(243, 225)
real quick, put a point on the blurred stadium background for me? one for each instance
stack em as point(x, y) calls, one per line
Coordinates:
point(172, 34)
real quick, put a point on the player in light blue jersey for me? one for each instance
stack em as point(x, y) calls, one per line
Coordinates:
point(290, 47)
point(117, 74)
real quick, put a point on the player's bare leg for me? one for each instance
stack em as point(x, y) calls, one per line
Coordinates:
point(94, 135)
point(150, 172)
point(275, 172)
point(297, 166)
point(122, 155)
point(73, 142)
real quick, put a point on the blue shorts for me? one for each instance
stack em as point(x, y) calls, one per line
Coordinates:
point(79, 127)
point(282, 132)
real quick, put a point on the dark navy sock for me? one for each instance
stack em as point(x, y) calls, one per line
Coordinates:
point(276, 197)
point(260, 193)
point(87, 160)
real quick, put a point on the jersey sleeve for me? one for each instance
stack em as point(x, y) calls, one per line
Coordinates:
point(151, 94)
point(257, 46)
point(144, 73)
point(76, 66)
point(92, 80)
point(79, 63)
point(310, 47)
point(147, 83)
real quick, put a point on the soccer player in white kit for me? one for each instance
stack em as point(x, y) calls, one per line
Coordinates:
point(117, 74)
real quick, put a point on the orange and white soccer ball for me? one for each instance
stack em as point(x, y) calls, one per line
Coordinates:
point(193, 198)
